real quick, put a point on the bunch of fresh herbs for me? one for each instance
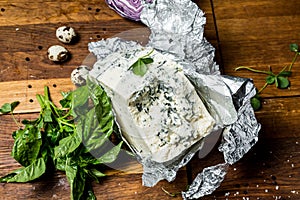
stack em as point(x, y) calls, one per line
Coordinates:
point(63, 139)
point(281, 79)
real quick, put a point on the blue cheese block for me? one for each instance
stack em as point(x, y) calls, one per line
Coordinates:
point(160, 113)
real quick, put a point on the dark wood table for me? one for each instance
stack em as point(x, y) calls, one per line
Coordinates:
point(244, 32)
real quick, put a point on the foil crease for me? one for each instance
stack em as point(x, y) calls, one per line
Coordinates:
point(177, 28)
point(206, 182)
point(239, 137)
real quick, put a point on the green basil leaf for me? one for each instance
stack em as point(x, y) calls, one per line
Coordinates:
point(89, 193)
point(111, 155)
point(294, 47)
point(60, 163)
point(53, 134)
point(283, 82)
point(9, 176)
point(67, 145)
point(95, 131)
point(80, 101)
point(285, 73)
point(94, 174)
point(97, 173)
point(76, 178)
point(67, 99)
point(47, 115)
point(270, 80)
point(27, 145)
point(88, 131)
point(80, 96)
point(29, 173)
point(95, 90)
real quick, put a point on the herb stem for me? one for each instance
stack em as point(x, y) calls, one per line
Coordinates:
point(65, 123)
point(293, 61)
point(54, 108)
point(262, 89)
point(148, 54)
point(170, 194)
point(254, 70)
point(15, 120)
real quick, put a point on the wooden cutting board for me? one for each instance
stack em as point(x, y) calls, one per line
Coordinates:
point(244, 32)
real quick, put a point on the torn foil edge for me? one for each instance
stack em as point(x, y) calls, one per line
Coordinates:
point(206, 182)
point(237, 140)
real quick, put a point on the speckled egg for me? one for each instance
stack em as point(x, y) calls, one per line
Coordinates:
point(57, 53)
point(79, 75)
point(66, 34)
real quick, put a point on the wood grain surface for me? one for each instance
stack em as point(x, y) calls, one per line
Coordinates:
point(244, 32)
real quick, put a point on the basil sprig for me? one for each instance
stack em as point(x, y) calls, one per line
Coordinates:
point(73, 138)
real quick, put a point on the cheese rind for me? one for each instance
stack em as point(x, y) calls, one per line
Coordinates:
point(160, 113)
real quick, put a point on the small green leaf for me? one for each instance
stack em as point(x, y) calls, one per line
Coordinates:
point(80, 95)
point(147, 60)
point(97, 173)
point(294, 47)
point(90, 193)
point(111, 155)
point(270, 80)
point(285, 73)
point(255, 102)
point(47, 115)
point(283, 82)
point(139, 68)
point(67, 99)
point(14, 105)
point(9, 107)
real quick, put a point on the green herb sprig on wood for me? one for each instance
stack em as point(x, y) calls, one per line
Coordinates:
point(281, 79)
point(63, 138)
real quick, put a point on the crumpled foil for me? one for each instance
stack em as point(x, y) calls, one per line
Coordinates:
point(177, 28)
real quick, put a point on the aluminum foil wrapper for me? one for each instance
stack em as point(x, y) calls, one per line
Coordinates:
point(177, 28)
